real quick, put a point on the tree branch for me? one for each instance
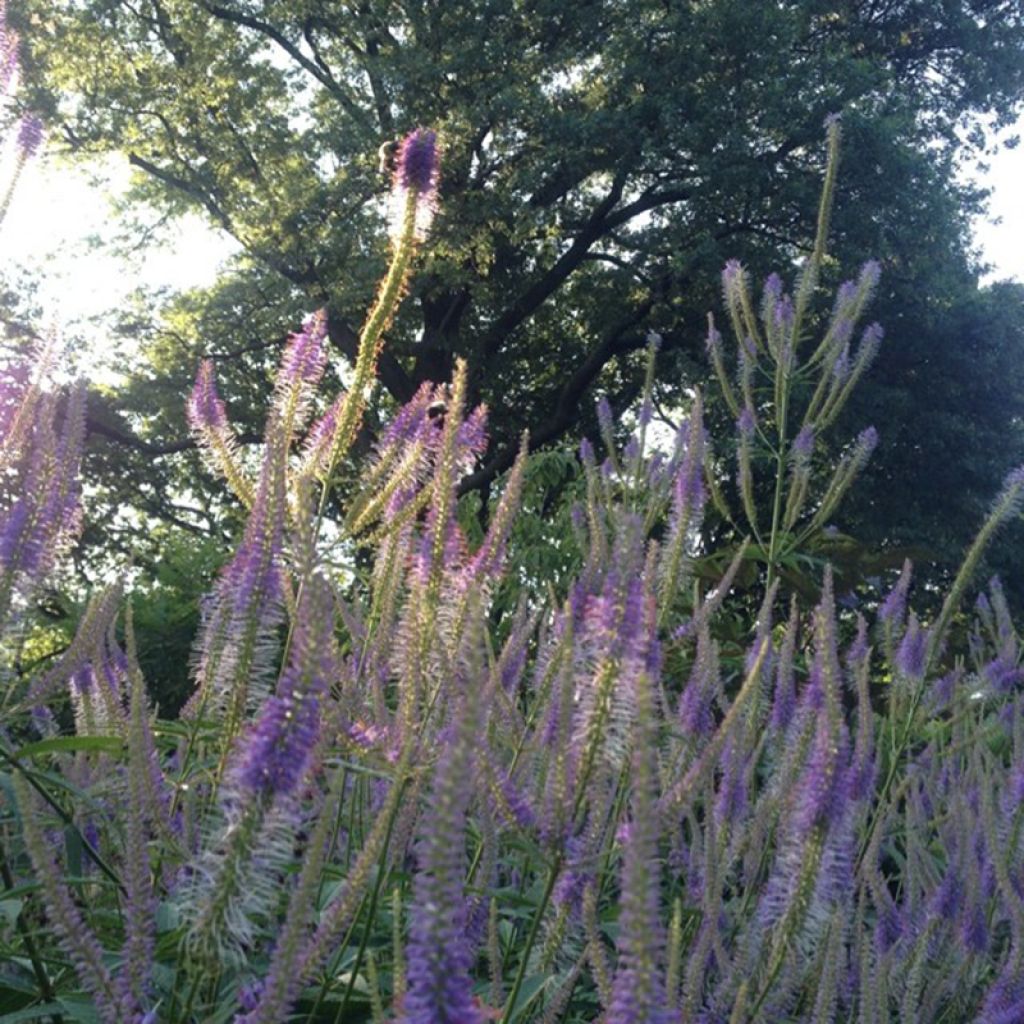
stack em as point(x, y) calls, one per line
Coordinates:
point(96, 427)
point(319, 71)
point(622, 338)
point(534, 296)
point(186, 186)
point(648, 201)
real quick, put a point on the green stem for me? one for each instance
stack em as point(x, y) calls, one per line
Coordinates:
point(531, 939)
point(366, 360)
point(780, 477)
point(367, 928)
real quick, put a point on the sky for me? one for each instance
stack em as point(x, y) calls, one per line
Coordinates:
point(1000, 236)
point(60, 227)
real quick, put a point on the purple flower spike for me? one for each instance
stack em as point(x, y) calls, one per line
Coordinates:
point(439, 956)
point(889, 928)
point(1015, 478)
point(845, 297)
point(841, 367)
point(948, 896)
point(973, 928)
point(870, 275)
point(910, 657)
point(872, 336)
point(1011, 497)
point(784, 314)
point(867, 440)
point(278, 750)
point(30, 135)
point(1003, 673)
point(416, 178)
point(1004, 1003)
point(418, 161)
point(306, 357)
point(249, 995)
point(732, 273)
point(894, 607)
point(205, 409)
point(747, 422)
point(803, 443)
point(821, 783)
point(714, 340)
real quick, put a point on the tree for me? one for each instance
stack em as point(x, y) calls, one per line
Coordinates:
point(602, 159)
point(950, 385)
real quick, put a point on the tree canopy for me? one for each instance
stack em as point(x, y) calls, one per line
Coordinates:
point(602, 159)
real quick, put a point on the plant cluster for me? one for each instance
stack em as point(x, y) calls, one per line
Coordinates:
point(384, 804)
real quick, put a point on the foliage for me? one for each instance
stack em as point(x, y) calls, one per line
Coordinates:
point(921, 496)
point(385, 805)
point(603, 159)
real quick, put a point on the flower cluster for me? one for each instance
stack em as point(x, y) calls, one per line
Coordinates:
point(691, 786)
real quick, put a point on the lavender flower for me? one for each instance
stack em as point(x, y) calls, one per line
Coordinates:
point(783, 316)
point(1004, 1001)
point(44, 509)
point(819, 798)
point(418, 162)
point(439, 989)
point(417, 174)
point(30, 135)
point(803, 443)
point(695, 711)
point(638, 988)
point(867, 441)
point(784, 703)
point(305, 356)
point(911, 654)
point(867, 282)
point(208, 420)
point(732, 276)
point(320, 440)
point(894, 607)
point(75, 937)
point(713, 342)
point(1004, 673)
point(747, 422)
point(277, 752)
point(870, 342)
point(8, 51)
point(204, 407)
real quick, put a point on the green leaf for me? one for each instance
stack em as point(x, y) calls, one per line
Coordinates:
point(34, 1012)
point(80, 1008)
point(73, 846)
point(10, 910)
point(531, 988)
point(71, 744)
